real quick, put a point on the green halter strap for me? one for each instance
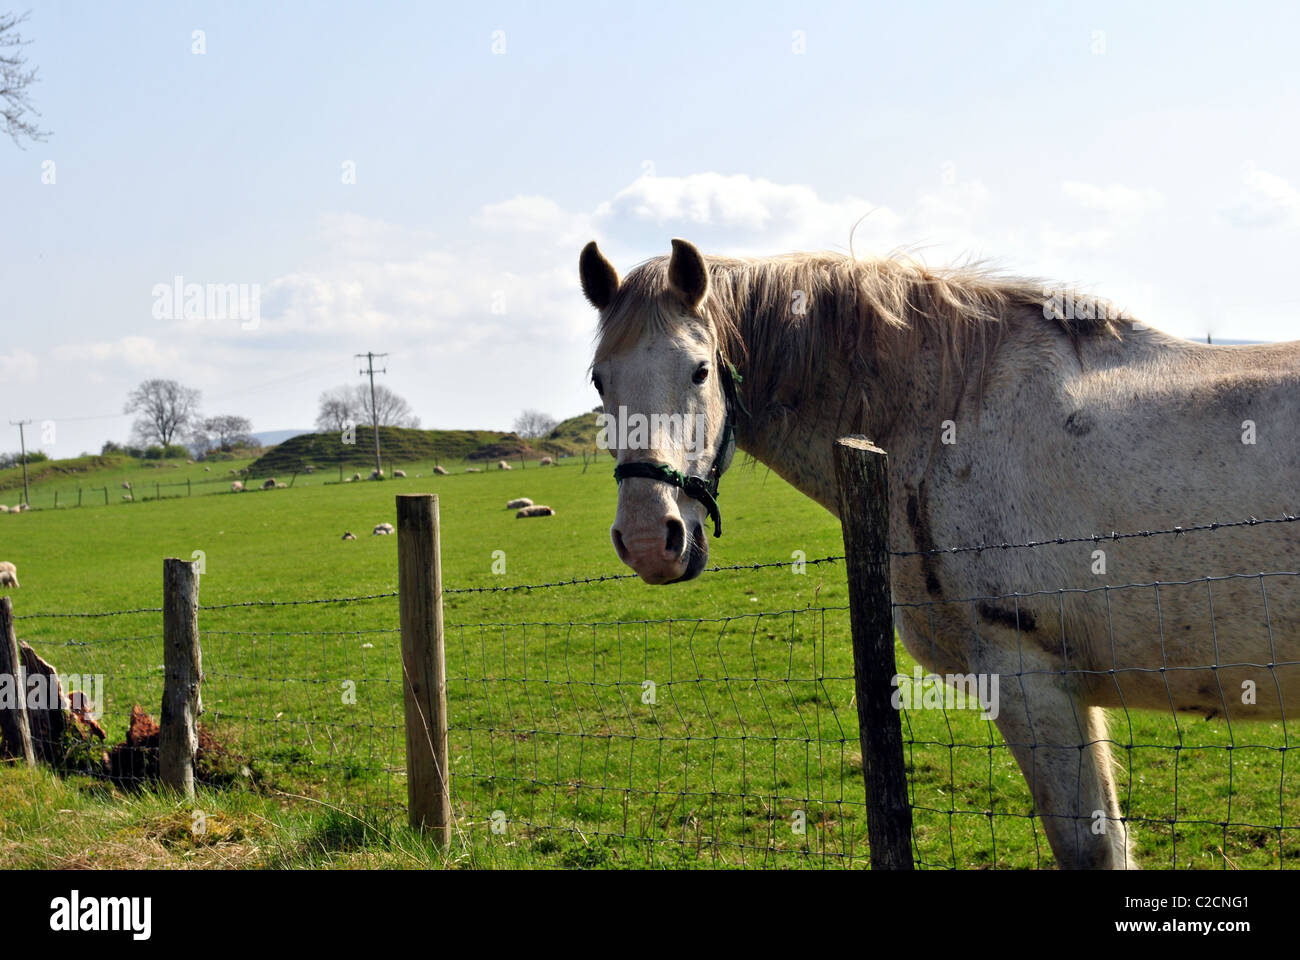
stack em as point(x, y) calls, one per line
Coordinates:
point(703, 489)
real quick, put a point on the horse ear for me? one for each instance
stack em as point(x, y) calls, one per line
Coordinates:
point(599, 278)
point(687, 275)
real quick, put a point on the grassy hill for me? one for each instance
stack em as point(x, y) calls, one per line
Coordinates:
point(400, 445)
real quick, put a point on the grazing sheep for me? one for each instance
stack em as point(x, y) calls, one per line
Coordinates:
point(546, 462)
point(8, 574)
point(281, 486)
point(440, 471)
point(3, 508)
point(190, 462)
point(309, 469)
point(502, 465)
point(126, 485)
point(473, 470)
point(232, 471)
point(207, 469)
point(23, 507)
point(127, 497)
point(237, 486)
point(268, 483)
point(376, 474)
point(519, 502)
point(356, 476)
point(536, 511)
point(349, 535)
point(382, 528)
point(399, 473)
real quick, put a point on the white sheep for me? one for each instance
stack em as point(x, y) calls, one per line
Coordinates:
point(8, 574)
point(518, 503)
point(237, 486)
point(382, 528)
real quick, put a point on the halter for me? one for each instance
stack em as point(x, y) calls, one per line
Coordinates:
point(703, 489)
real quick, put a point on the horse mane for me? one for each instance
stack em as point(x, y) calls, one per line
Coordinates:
point(779, 317)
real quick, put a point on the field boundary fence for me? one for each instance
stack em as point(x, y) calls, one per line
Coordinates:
point(781, 737)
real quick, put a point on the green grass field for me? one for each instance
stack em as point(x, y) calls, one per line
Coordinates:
point(562, 754)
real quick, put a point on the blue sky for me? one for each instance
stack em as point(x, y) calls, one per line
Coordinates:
point(1151, 155)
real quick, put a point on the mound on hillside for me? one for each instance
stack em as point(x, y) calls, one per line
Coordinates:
point(399, 445)
point(402, 445)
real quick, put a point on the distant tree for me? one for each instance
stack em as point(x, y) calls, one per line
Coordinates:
point(532, 424)
point(393, 410)
point(227, 431)
point(343, 405)
point(337, 409)
point(165, 407)
point(15, 78)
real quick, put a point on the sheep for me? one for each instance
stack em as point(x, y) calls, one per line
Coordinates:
point(281, 485)
point(440, 471)
point(519, 502)
point(383, 528)
point(399, 474)
point(349, 535)
point(537, 511)
point(3, 508)
point(546, 462)
point(356, 476)
point(207, 469)
point(376, 474)
point(23, 507)
point(237, 486)
point(268, 483)
point(502, 465)
point(190, 462)
point(8, 574)
point(126, 484)
point(232, 472)
point(473, 470)
point(309, 469)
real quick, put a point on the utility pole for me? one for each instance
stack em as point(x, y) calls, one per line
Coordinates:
point(374, 408)
point(22, 439)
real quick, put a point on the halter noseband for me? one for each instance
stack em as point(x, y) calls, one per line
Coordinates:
point(703, 489)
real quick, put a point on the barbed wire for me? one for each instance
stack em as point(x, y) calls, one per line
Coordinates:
point(757, 565)
point(1098, 537)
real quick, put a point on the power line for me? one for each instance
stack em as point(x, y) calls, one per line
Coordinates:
point(22, 439)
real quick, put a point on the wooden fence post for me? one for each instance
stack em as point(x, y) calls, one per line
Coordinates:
point(419, 579)
point(178, 737)
point(14, 725)
point(862, 471)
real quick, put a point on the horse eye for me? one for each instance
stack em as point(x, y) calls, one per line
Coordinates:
point(600, 387)
point(701, 375)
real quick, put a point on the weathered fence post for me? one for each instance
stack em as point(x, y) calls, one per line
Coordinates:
point(178, 737)
point(862, 471)
point(14, 725)
point(419, 579)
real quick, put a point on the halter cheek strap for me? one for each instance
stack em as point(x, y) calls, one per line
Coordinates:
point(703, 489)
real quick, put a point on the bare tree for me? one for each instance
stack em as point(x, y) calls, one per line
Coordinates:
point(338, 408)
point(392, 410)
point(15, 78)
point(532, 424)
point(343, 405)
point(229, 431)
point(165, 407)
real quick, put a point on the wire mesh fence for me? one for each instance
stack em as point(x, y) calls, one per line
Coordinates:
point(733, 740)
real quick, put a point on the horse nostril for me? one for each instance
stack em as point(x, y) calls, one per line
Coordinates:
point(676, 541)
point(621, 550)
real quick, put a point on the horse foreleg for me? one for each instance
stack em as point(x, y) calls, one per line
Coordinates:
point(1062, 748)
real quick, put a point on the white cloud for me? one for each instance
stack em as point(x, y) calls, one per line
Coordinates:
point(1115, 201)
point(1265, 200)
point(18, 366)
point(746, 214)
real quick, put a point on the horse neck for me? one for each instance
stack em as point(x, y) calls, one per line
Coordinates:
point(792, 425)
